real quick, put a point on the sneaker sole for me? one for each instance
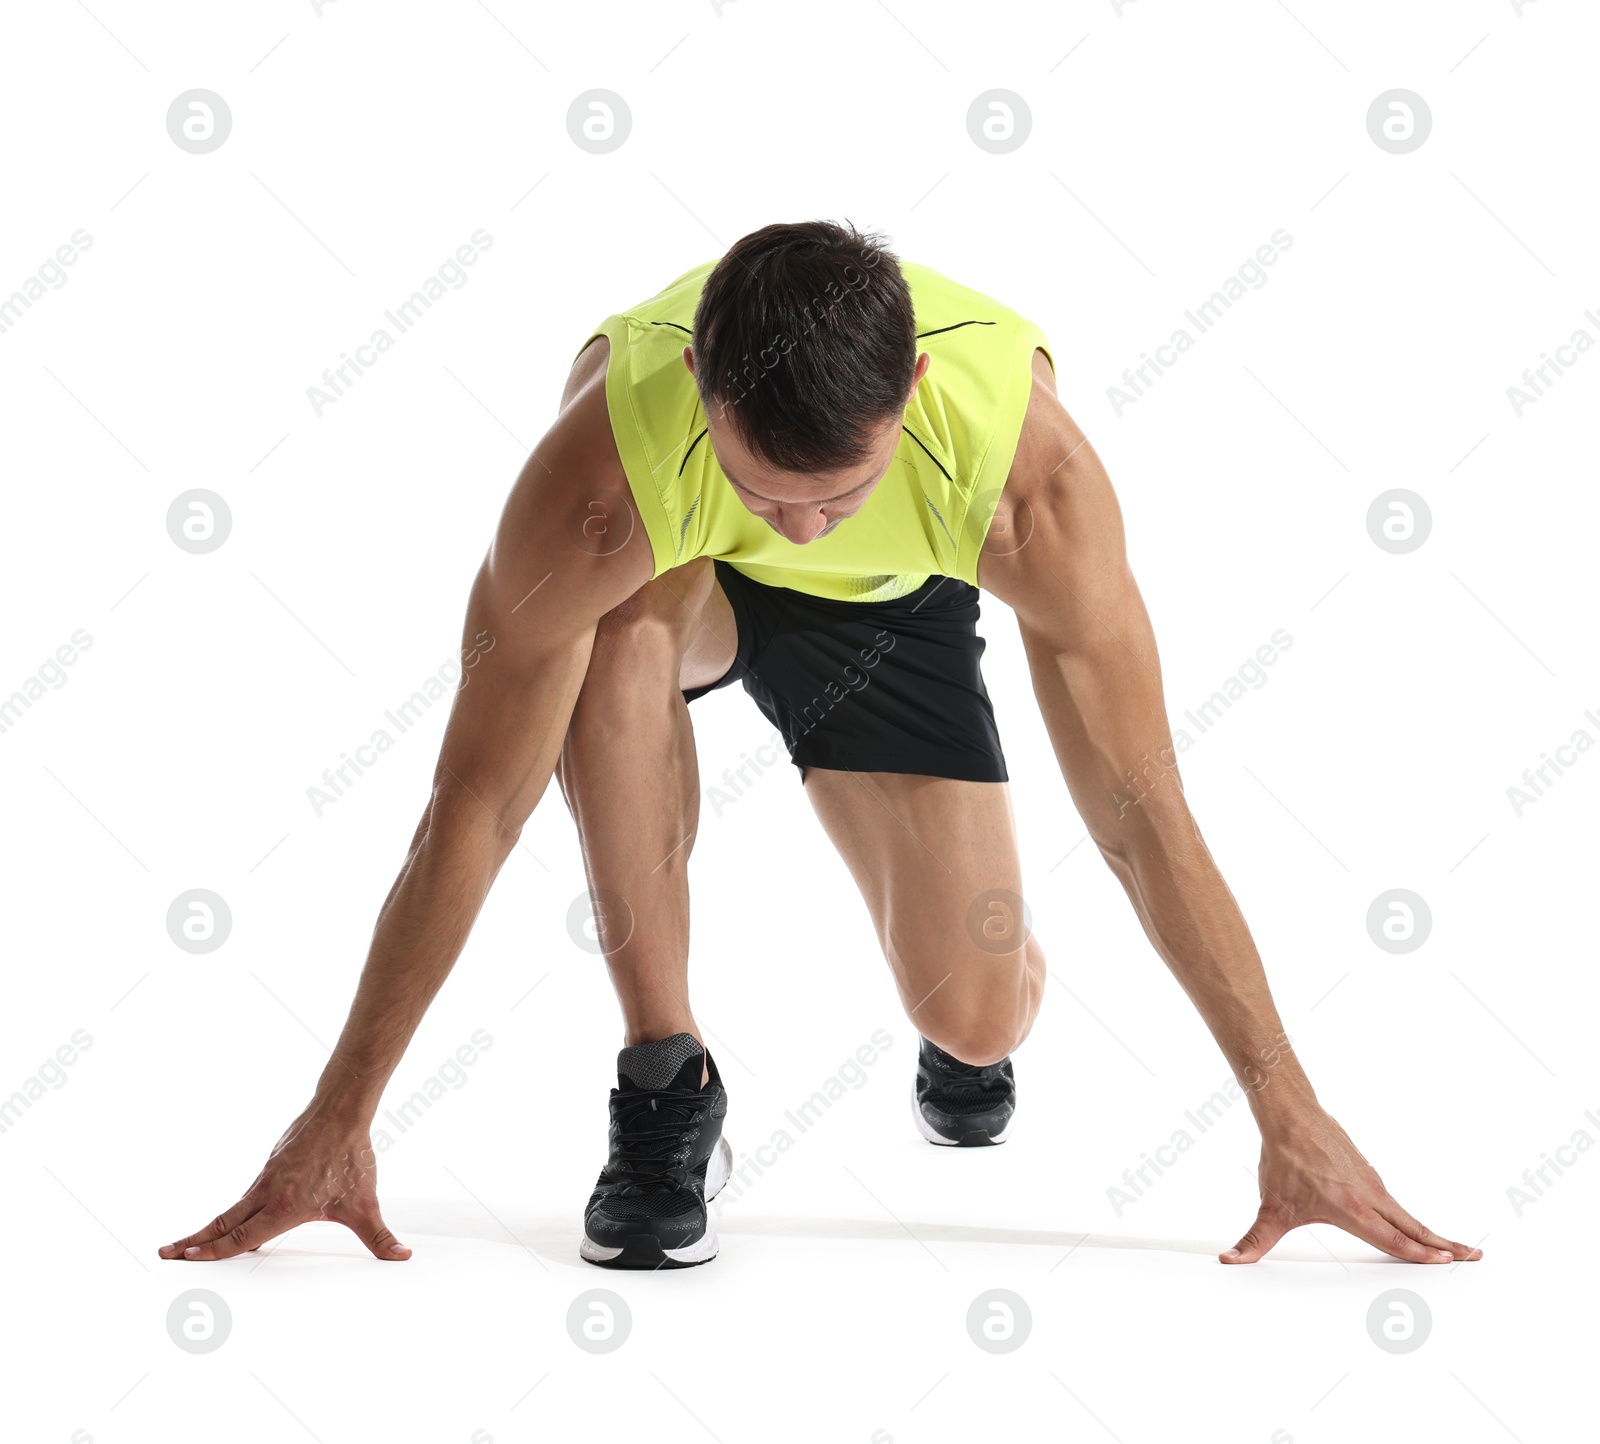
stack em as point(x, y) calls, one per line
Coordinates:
point(978, 1138)
point(644, 1251)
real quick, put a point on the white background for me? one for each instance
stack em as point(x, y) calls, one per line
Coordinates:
point(366, 146)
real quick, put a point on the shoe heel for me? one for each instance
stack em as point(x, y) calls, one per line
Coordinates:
point(719, 1167)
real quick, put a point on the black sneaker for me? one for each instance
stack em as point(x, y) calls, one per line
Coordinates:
point(957, 1104)
point(668, 1160)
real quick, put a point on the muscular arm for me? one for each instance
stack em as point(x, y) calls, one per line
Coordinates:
point(1055, 555)
point(557, 564)
point(547, 580)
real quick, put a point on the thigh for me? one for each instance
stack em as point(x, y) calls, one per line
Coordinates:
point(936, 861)
point(713, 647)
point(682, 613)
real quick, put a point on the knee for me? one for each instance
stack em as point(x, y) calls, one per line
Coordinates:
point(983, 1025)
point(979, 1035)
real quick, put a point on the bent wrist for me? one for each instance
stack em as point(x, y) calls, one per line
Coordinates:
point(350, 1102)
point(1284, 1106)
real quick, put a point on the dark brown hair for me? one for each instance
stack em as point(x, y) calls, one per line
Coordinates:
point(805, 341)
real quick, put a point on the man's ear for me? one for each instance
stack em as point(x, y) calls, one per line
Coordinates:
point(688, 358)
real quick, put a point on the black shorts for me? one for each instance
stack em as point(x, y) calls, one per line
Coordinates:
point(868, 686)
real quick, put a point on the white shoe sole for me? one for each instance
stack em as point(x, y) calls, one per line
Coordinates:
point(718, 1167)
point(927, 1131)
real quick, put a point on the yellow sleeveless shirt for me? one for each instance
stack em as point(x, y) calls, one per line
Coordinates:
point(928, 515)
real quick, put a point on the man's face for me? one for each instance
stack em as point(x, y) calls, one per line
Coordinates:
point(802, 506)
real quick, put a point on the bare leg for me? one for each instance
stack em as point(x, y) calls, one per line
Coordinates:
point(630, 777)
point(936, 862)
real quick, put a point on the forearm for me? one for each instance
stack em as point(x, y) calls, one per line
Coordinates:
point(499, 752)
point(1157, 853)
point(1103, 708)
point(420, 933)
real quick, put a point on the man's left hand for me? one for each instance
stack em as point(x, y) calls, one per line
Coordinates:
point(1312, 1173)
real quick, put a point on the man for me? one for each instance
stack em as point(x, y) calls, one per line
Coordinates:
point(794, 469)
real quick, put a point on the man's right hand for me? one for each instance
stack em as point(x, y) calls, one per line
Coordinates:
point(319, 1169)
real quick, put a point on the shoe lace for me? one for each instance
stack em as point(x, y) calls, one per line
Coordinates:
point(650, 1128)
point(972, 1082)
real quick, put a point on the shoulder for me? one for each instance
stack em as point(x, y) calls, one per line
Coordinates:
point(1058, 521)
point(1045, 424)
point(943, 301)
point(570, 515)
point(582, 431)
point(1048, 444)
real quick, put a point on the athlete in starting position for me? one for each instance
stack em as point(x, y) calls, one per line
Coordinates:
point(794, 468)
